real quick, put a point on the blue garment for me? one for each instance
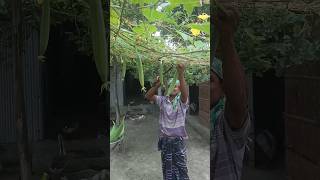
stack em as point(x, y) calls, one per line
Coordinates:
point(174, 158)
point(215, 112)
point(216, 66)
point(177, 98)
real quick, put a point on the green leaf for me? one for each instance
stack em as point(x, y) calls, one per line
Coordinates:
point(153, 15)
point(184, 36)
point(204, 27)
point(114, 18)
point(138, 29)
point(140, 2)
point(188, 5)
point(150, 1)
point(145, 29)
point(199, 45)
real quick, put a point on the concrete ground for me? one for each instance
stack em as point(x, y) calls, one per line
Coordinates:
point(43, 155)
point(139, 158)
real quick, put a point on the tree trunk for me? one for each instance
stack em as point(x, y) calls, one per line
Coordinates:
point(22, 131)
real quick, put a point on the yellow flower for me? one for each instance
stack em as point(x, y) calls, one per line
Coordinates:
point(203, 16)
point(195, 32)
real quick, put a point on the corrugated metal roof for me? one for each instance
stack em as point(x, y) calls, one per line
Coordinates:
point(32, 87)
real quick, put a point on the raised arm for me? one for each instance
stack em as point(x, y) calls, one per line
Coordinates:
point(150, 95)
point(183, 84)
point(234, 83)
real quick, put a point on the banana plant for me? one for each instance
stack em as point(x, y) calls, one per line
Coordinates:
point(117, 130)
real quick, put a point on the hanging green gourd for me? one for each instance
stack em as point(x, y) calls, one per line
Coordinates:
point(172, 84)
point(161, 73)
point(98, 37)
point(123, 69)
point(140, 72)
point(44, 26)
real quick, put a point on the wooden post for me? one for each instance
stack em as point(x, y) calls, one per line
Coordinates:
point(251, 111)
point(22, 131)
point(116, 93)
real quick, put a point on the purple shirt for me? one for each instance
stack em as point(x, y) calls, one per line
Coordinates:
point(172, 122)
point(227, 148)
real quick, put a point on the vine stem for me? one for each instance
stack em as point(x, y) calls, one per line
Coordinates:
point(147, 6)
point(121, 14)
point(167, 53)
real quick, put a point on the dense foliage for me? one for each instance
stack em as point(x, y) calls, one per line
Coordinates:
point(152, 30)
point(73, 14)
point(270, 38)
point(266, 39)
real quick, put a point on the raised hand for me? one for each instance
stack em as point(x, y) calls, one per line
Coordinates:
point(180, 68)
point(157, 81)
point(227, 21)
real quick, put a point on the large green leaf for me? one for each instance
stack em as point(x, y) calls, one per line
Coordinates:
point(117, 130)
point(184, 36)
point(144, 29)
point(142, 2)
point(114, 18)
point(188, 5)
point(200, 45)
point(204, 27)
point(153, 15)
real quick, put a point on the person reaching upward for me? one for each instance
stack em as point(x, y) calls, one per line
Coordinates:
point(172, 132)
point(230, 120)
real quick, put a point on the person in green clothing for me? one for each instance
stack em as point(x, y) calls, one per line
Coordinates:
point(230, 120)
